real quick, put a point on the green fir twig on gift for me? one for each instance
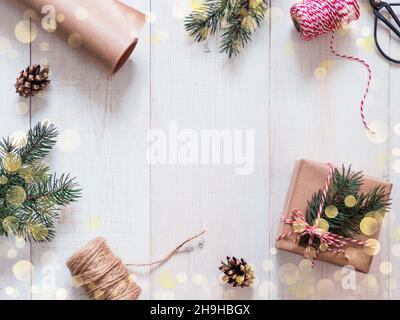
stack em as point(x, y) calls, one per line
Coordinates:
point(345, 206)
point(238, 20)
point(30, 195)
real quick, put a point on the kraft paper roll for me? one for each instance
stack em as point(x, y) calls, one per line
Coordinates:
point(106, 29)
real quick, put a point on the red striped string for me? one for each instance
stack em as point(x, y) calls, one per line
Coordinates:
point(316, 17)
point(326, 189)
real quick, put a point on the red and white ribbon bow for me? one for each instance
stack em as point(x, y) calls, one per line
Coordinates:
point(328, 241)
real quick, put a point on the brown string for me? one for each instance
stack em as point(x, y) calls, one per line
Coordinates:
point(168, 256)
point(104, 276)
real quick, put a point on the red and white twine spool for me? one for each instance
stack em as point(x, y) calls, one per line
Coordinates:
point(313, 18)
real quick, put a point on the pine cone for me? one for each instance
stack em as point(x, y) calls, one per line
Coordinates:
point(237, 272)
point(32, 80)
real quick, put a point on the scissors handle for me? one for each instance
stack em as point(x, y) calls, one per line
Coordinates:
point(381, 17)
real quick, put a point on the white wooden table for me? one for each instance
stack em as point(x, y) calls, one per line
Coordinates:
point(274, 88)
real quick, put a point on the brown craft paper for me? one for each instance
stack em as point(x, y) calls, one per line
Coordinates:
point(109, 31)
point(309, 177)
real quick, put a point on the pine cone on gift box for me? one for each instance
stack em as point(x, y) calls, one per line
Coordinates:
point(237, 272)
point(32, 80)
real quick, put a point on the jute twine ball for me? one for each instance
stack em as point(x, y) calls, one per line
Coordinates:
point(102, 274)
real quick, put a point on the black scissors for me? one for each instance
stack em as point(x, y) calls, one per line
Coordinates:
point(379, 6)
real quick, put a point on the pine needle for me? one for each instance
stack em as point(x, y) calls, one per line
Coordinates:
point(238, 19)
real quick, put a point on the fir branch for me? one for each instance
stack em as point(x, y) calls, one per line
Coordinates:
point(6, 147)
point(347, 222)
point(40, 141)
point(205, 21)
point(241, 18)
point(32, 210)
point(241, 24)
point(60, 191)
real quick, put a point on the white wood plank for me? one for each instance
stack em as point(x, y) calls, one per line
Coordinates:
point(323, 122)
point(14, 118)
point(145, 211)
point(103, 123)
point(393, 285)
point(198, 88)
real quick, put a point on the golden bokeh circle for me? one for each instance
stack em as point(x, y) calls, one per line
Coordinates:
point(20, 243)
point(310, 252)
point(75, 40)
point(325, 284)
point(327, 64)
point(350, 201)
point(323, 224)
point(27, 174)
point(267, 265)
point(331, 211)
point(372, 247)
point(8, 223)
point(338, 275)
point(167, 280)
point(37, 231)
point(396, 250)
point(12, 162)
point(22, 270)
point(369, 226)
point(302, 289)
point(385, 267)
point(16, 196)
point(370, 280)
point(299, 226)
point(26, 31)
point(323, 247)
point(3, 180)
point(288, 273)
point(60, 18)
point(320, 73)
point(44, 46)
point(21, 108)
point(81, 13)
point(305, 266)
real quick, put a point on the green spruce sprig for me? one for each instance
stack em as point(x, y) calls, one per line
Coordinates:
point(238, 19)
point(345, 183)
point(31, 196)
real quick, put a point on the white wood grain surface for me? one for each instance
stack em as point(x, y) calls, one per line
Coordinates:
point(301, 102)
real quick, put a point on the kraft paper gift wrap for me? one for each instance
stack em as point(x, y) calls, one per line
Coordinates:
point(106, 29)
point(309, 177)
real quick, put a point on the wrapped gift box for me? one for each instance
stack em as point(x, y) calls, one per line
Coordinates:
point(309, 177)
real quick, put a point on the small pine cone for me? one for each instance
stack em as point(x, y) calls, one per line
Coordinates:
point(32, 80)
point(237, 272)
